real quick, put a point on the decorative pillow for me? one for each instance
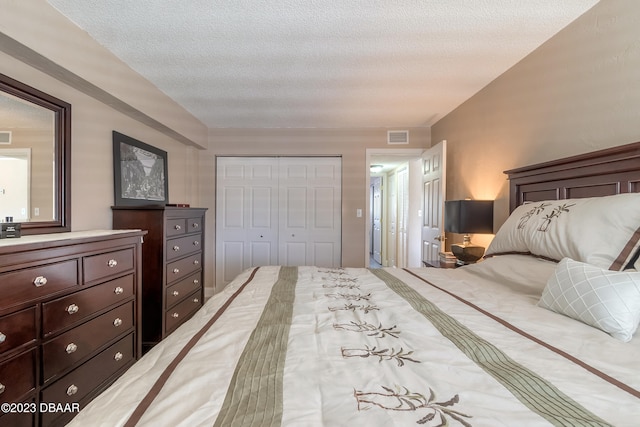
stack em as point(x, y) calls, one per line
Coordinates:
point(607, 300)
point(602, 231)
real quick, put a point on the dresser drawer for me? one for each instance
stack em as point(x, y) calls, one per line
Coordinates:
point(17, 329)
point(62, 352)
point(183, 267)
point(105, 265)
point(17, 376)
point(32, 283)
point(183, 311)
point(77, 384)
point(74, 308)
point(175, 227)
point(176, 293)
point(183, 246)
point(194, 225)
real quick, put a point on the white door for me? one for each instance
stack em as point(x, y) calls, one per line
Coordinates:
point(272, 210)
point(434, 191)
point(392, 220)
point(402, 188)
point(310, 211)
point(246, 215)
point(376, 219)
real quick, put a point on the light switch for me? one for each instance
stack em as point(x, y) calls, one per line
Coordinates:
point(359, 213)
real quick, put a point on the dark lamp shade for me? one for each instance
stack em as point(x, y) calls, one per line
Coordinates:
point(468, 216)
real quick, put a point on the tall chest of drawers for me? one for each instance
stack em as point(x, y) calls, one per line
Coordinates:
point(69, 321)
point(173, 256)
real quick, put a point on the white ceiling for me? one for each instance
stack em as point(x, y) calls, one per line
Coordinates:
point(321, 63)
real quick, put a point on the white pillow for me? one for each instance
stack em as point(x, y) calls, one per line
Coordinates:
point(602, 231)
point(607, 300)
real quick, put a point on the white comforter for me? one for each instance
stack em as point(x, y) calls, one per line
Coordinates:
point(358, 353)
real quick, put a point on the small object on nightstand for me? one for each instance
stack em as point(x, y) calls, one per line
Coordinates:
point(447, 257)
point(468, 217)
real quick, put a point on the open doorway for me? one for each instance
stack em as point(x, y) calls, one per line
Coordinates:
point(394, 207)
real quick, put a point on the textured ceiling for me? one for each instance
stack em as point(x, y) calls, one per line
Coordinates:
point(321, 63)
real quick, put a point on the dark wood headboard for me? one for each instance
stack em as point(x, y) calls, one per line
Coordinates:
point(599, 173)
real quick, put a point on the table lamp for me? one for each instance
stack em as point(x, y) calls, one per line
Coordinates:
point(468, 217)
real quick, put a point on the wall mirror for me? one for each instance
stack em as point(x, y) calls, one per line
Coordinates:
point(35, 158)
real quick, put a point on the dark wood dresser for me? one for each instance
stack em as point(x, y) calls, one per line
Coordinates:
point(69, 321)
point(172, 276)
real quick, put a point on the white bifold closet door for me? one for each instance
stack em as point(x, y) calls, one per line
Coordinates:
point(277, 211)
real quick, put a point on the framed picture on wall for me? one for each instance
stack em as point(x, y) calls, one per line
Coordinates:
point(139, 173)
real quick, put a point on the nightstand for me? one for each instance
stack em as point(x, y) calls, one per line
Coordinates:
point(439, 264)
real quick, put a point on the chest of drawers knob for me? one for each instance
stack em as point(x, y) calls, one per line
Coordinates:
point(40, 281)
point(2, 388)
point(71, 348)
point(175, 293)
point(175, 315)
point(176, 248)
point(118, 357)
point(177, 227)
point(118, 290)
point(3, 337)
point(73, 389)
point(112, 263)
point(176, 270)
point(196, 300)
point(117, 322)
point(196, 243)
point(72, 309)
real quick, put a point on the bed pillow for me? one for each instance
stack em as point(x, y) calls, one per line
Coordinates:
point(607, 300)
point(602, 231)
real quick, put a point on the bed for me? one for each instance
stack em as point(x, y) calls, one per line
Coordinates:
point(513, 340)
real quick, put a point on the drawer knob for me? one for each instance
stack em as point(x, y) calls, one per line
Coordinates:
point(196, 243)
point(196, 300)
point(196, 262)
point(112, 263)
point(177, 227)
point(3, 337)
point(196, 281)
point(176, 248)
point(118, 357)
point(73, 389)
point(71, 348)
point(175, 293)
point(117, 322)
point(40, 281)
point(175, 315)
point(196, 225)
point(176, 271)
point(118, 290)
point(72, 309)
point(2, 388)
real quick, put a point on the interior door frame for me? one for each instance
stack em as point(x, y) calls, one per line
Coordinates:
point(370, 152)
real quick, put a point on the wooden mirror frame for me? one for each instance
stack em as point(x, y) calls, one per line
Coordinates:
point(62, 154)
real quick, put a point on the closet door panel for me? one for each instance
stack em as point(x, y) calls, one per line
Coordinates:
point(272, 211)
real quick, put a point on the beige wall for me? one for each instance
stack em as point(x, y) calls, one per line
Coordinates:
point(351, 144)
point(578, 92)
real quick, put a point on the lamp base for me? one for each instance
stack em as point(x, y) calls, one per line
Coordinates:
point(467, 253)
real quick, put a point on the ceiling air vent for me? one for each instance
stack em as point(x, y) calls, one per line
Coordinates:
point(5, 137)
point(398, 137)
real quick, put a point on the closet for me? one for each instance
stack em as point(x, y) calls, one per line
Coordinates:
point(277, 211)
